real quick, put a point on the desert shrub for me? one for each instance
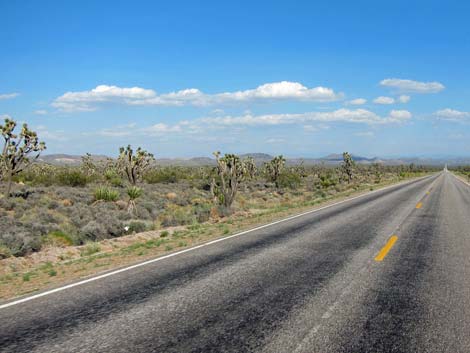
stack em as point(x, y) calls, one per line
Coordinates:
point(136, 227)
point(37, 223)
point(20, 242)
point(80, 215)
point(76, 195)
point(43, 216)
point(52, 204)
point(149, 206)
point(104, 224)
point(93, 230)
point(223, 211)
point(4, 252)
point(8, 204)
point(289, 180)
point(117, 182)
point(328, 179)
point(107, 226)
point(168, 175)
point(175, 216)
point(113, 178)
point(144, 214)
point(110, 174)
point(202, 212)
point(90, 249)
point(33, 176)
point(71, 177)
point(105, 194)
point(58, 238)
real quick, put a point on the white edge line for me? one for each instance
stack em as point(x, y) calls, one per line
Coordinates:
point(108, 274)
point(456, 177)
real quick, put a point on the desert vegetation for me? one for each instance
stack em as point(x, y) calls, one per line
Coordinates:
point(44, 205)
point(463, 171)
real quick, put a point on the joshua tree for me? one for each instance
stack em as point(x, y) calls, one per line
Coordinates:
point(274, 169)
point(347, 167)
point(134, 193)
point(250, 167)
point(88, 166)
point(133, 166)
point(231, 171)
point(378, 172)
point(17, 150)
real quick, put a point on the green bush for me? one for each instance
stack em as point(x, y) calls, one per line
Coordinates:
point(58, 238)
point(289, 180)
point(72, 178)
point(167, 175)
point(117, 182)
point(106, 194)
point(110, 174)
point(4, 252)
point(113, 177)
point(134, 192)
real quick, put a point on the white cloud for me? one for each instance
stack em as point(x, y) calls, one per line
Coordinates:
point(404, 99)
point(399, 116)
point(208, 125)
point(362, 116)
point(384, 100)
point(282, 90)
point(85, 100)
point(40, 112)
point(452, 115)
point(5, 116)
point(89, 100)
point(164, 128)
point(6, 96)
point(358, 101)
point(412, 86)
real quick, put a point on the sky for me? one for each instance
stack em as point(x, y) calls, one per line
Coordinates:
point(187, 78)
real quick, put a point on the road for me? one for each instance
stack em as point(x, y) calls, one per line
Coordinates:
point(309, 284)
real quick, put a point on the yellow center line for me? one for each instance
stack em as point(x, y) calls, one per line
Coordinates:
point(419, 205)
point(382, 253)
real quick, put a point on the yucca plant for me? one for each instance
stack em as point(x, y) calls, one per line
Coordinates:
point(106, 194)
point(134, 193)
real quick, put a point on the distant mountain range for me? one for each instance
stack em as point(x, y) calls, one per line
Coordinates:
point(331, 159)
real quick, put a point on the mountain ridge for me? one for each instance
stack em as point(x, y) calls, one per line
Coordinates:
point(260, 158)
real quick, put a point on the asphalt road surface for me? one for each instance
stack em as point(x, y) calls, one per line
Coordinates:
point(310, 284)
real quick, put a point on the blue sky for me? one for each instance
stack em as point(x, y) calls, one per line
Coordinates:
point(183, 79)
